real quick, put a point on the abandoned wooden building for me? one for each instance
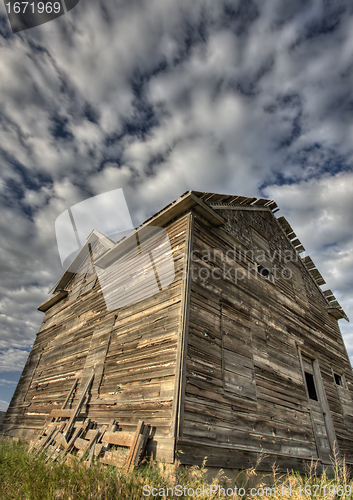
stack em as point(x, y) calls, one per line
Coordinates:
point(240, 354)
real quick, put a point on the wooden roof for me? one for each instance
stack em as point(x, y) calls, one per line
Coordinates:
point(206, 205)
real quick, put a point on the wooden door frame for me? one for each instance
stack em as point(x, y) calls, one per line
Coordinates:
point(319, 386)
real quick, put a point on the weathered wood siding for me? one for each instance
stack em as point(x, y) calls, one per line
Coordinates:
point(259, 404)
point(132, 350)
point(217, 360)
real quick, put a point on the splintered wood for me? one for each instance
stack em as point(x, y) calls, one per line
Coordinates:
point(111, 447)
point(68, 439)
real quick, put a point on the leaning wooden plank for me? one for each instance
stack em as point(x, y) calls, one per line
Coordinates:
point(52, 436)
point(78, 407)
point(60, 440)
point(119, 438)
point(115, 457)
point(135, 457)
point(81, 444)
point(62, 413)
point(90, 434)
point(36, 441)
point(79, 425)
point(56, 454)
point(112, 427)
point(76, 434)
point(93, 439)
point(141, 445)
point(46, 440)
point(97, 438)
point(90, 457)
point(134, 444)
point(102, 431)
point(71, 443)
point(70, 393)
point(97, 449)
point(92, 443)
point(52, 451)
point(48, 428)
point(51, 448)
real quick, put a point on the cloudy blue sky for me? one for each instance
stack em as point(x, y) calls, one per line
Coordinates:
point(246, 97)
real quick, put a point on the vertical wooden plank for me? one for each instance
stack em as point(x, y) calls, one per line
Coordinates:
point(134, 444)
point(70, 393)
point(141, 445)
point(326, 410)
point(98, 349)
point(180, 375)
point(322, 404)
point(78, 407)
point(307, 395)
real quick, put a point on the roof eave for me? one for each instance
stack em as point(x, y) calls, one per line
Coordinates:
point(188, 201)
point(67, 275)
point(183, 204)
point(53, 299)
point(337, 313)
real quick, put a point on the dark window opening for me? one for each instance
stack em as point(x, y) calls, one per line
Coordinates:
point(309, 378)
point(338, 379)
point(266, 273)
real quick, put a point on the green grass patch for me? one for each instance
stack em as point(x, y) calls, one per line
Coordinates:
point(26, 476)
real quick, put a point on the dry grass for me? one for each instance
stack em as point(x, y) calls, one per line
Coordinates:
point(28, 477)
